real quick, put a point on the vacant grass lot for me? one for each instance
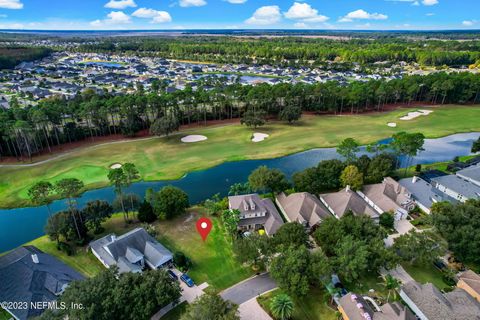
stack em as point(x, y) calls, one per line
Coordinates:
point(311, 307)
point(426, 274)
point(213, 260)
point(168, 158)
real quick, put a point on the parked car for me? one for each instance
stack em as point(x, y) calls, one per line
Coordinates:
point(172, 275)
point(188, 281)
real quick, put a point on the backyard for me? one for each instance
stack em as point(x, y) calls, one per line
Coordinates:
point(213, 260)
point(311, 307)
point(168, 158)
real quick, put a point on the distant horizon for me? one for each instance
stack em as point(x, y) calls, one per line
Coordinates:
point(242, 30)
point(140, 15)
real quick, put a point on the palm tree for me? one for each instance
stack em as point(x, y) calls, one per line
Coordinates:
point(391, 284)
point(282, 306)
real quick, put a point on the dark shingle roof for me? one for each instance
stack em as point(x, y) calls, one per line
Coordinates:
point(23, 280)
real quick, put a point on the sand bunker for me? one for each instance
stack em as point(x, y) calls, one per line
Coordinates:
point(392, 124)
point(116, 166)
point(416, 114)
point(257, 136)
point(193, 138)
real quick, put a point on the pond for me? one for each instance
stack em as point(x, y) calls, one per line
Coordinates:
point(106, 64)
point(21, 225)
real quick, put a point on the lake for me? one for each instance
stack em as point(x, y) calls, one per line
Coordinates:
point(21, 225)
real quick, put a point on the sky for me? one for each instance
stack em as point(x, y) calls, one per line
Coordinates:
point(239, 14)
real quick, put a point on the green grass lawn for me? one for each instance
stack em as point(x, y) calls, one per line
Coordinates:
point(213, 260)
point(311, 307)
point(424, 274)
point(176, 312)
point(168, 158)
point(4, 315)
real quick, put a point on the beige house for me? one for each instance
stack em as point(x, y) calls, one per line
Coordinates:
point(470, 282)
point(388, 196)
point(303, 208)
point(339, 203)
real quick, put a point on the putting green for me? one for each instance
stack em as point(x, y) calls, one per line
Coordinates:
point(169, 158)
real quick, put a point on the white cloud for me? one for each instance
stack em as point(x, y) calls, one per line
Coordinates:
point(120, 4)
point(469, 23)
point(300, 25)
point(265, 15)
point(363, 15)
point(430, 14)
point(113, 18)
point(155, 15)
point(236, 1)
point(11, 4)
point(429, 2)
point(304, 12)
point(192, 3)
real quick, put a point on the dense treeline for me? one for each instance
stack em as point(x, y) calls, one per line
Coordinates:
point(25, 131)
point(288, 50)
point(11, 56)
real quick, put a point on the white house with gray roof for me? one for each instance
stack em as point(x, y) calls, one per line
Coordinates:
point(471, 174)
point(131, 252)
point(457, 187)
point(429, 303)
point(424, 194)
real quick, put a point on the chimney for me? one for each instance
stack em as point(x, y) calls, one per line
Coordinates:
point(35, 258)
point(114, 238)
point(347, 188)
point(414, 179)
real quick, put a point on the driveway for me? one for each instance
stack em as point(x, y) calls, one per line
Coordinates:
point(251, 310)
point(188, 294)
point(248, 289)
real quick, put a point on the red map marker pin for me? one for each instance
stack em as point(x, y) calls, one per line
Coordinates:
point(204, 226)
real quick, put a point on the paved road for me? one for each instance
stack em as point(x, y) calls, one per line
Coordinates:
point(248, 289)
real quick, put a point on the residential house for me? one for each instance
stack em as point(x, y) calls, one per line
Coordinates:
point(339, 203)
point(131, 252)
point(355, 307)
point(471, 174)
point(429, 303)
point(470, 282)
point(388, 196)
point(457, 187)
point(303, 208)
point(31, 276)
point(423, 193)
point(256, 213)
